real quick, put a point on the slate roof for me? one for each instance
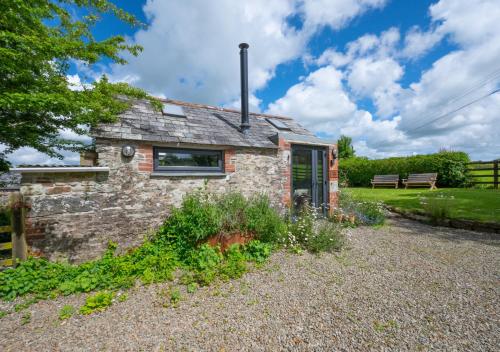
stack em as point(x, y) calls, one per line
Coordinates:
point(202, 125)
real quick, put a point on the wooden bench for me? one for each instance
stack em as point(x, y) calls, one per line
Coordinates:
point(385, 180)
point(421, 180)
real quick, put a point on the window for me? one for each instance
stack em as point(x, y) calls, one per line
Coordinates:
point(278, 124)
point(187, 160)
point(173, 110)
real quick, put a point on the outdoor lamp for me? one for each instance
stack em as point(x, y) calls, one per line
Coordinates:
point(334, 155)
point(128, 151)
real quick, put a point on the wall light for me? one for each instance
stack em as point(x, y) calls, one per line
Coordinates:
point(128, 151)
point(334, 155)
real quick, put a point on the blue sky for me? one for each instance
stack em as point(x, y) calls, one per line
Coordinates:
point(379, 71)
point(400, 14)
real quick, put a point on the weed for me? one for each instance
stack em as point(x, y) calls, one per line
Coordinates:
point(382, 326)
point(175, 297)
point(3, 313)
point(26, 318)
point(66, 312)
point(235, 264)
point(253, 302)
point(437, 208)
point(21, 306)
point(258, 251)
point(192, 287)
point(97, 303)
point(123, 297)
point(171, 296)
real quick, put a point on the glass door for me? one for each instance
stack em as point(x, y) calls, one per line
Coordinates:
point(309, 176)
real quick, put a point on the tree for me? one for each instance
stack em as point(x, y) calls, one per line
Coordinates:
point(39, 40)
point(346, 150)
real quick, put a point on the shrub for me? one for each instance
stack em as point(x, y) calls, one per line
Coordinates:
point(257, 251)
point(204, 261)
point(327, 238)
point(202, 215)
point(197, 218)
point(313, 234)
point(234, 265)
point(370, 213)
point(264, 221)
point(450, 166)
point(363, 212)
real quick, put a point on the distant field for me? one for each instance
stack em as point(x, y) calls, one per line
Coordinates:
point(471, 204)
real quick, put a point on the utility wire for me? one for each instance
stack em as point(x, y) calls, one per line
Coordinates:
point(492, 76)
point(454, 111)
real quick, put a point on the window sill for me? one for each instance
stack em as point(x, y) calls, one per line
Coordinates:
point(188, 174)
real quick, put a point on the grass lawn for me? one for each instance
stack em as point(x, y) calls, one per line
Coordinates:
point(471, 204)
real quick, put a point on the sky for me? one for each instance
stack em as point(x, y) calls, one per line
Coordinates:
point(399, 77)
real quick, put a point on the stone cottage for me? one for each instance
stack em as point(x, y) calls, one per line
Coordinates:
point(147, 161)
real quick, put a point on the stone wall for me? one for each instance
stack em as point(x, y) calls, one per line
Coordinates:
point(74, 215)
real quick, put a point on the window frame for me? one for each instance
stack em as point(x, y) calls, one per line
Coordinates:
point(193, 169)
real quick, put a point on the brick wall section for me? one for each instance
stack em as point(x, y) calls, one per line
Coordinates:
point(230, 160)
point(333, 178)
point(144, 154)
point(285, 149)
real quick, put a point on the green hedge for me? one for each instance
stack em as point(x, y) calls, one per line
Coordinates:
point(450, 166)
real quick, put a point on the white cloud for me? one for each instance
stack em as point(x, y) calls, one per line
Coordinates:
point(322, 105)
point(418, 43)
point(375, 78)
point(318, 102)
point(30, 156)
point(334, 13)
point(191, 47)
point(469, 22)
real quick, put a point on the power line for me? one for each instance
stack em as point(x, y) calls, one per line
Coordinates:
point(454, 111)
point(492, 76)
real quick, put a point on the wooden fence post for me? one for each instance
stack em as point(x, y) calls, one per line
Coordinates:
point(495, 174)
point(18, 213)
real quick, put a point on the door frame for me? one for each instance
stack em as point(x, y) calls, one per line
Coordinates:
point(314, 176)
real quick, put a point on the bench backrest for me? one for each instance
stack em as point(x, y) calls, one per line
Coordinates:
point(422, 177)
point(386, 178)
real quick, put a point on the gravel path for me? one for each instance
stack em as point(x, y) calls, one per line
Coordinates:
point(405, 286)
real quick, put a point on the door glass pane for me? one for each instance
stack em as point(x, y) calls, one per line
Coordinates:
point(320, 179)
point(302, 177)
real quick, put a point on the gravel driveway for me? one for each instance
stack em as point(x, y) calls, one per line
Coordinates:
point(405, 286)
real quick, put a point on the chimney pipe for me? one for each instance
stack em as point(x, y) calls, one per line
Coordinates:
point(245, 121)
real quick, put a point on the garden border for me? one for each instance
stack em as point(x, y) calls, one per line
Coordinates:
point(489, 227)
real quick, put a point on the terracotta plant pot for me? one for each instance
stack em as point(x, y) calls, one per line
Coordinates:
point(225, 240)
